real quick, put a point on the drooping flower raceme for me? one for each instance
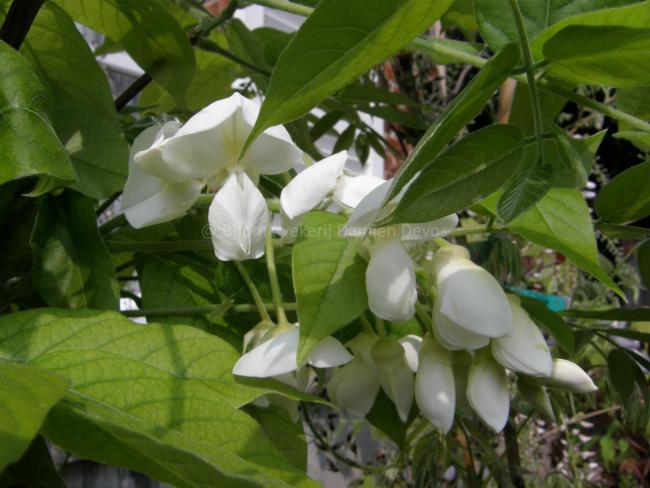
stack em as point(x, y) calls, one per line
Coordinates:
point(390, 276)
point(207, 148)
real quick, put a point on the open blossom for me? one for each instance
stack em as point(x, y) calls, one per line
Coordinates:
point(278, 355)
point(390, 276)
point(207, 149)
point(148, 199)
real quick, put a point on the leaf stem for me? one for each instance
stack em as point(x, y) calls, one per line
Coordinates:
point(284, 5)
point(381, 327)
point(475, 229)
point(273, 279)
point(169, 312)
point(538, 123)
point(259, 303)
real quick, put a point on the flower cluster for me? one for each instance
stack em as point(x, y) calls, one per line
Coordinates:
point(475, 333)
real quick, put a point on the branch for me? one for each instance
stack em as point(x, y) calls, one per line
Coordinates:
point(19, 19)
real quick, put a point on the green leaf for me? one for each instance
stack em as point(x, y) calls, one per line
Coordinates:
point(339, 41)
point(345, 140)
point(28, 142)
point(636, 137)
point(451, 44)
point(360, 93)
point(631, 386)
point(497, 24)
point(634, 16)
point(643, 260)
point(524, 191)
point(325, 124)
point(623, 231)
point(552, 323)
point(561, 221)
point(148, 32)
point(627, 333)
point(83, 112)
point(609, 55)
point(477, 165)
point(457, 115)
point(329, 279)
point(640, 314)
point(160, 399)
point(287, 435)
point(26, 395)
point(384, 416)
point(212, 81)
point(72, 266)
point(626, 197)
point(35, 468)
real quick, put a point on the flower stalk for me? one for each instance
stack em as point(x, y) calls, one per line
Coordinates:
point(259, 303)
point(273, 279)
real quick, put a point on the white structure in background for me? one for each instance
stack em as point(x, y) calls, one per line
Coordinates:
point(122, 70)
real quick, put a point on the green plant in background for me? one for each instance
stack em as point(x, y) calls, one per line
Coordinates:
point(452, 311)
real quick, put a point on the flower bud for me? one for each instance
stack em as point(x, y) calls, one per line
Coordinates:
point(487, 390)
point(570, 377)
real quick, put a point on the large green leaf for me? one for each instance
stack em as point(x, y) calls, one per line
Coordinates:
point(26, 395)
point(28, 143)
point(72, 266)
point(524, 191)
point(457, 115)
point(626, 197)
point(561, 221)
point(597, 54)
point(497, 24)
point(83, 113)
point(212, 81)
point(157, 398)
point(635, 16)
point(329, 279)
point(468, 171)
point(149, 33)
point(339, 41)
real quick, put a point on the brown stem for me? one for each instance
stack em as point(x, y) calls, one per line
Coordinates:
point(512, 454)
point(19, 19)
point(131, 91)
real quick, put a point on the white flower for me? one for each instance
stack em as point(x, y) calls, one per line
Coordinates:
point(208, 147)
point(148, 199)
point(570, 377)
point(471, 307)
point(524, 350)
point(487, 390)
point(390, 280)
point(390, 276)
point(384, 363)
point(322, 179)
point(435, 390)
point(278, 355)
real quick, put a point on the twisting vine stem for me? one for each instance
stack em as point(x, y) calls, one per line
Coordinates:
point(536, 107)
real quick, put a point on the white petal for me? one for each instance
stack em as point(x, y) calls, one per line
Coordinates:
point(398, 384)
point(329, 353)
point(238, 218)
point(366, 211)
point(274, 357)
point(525, 350)
point(411, 344)
point(209, 141)
point(148, 200)
point(428, 230)
point(571, 377)
point(350, 190)
point(310, 187)
point(435, 390)
point(354, 387)
point(487, 391)
point(390, 280)
point(470, 296)
point(452, 336)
